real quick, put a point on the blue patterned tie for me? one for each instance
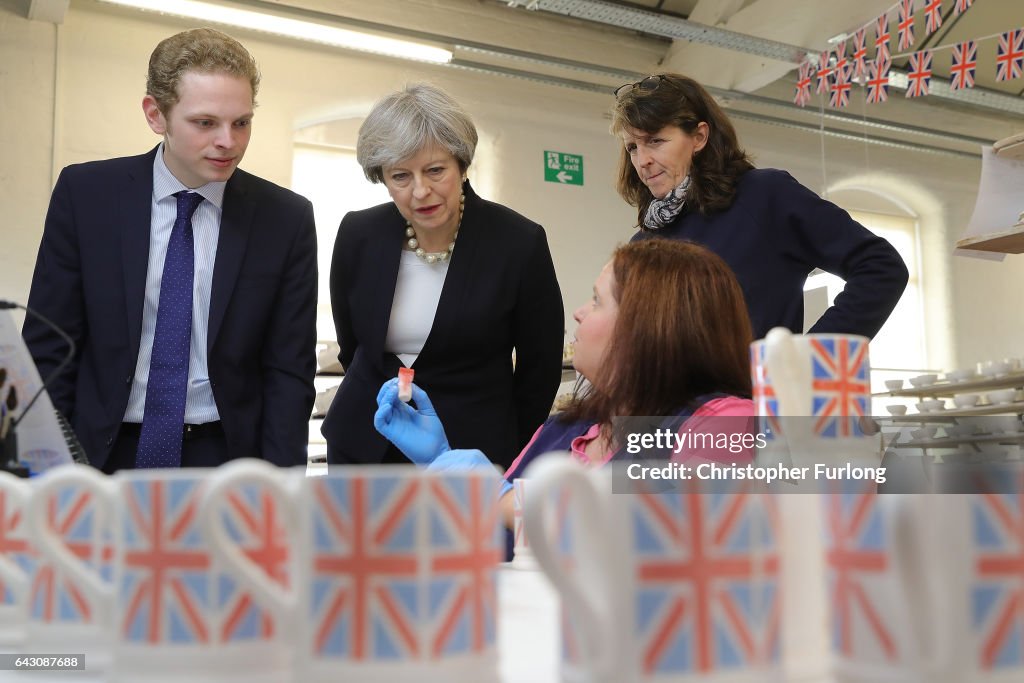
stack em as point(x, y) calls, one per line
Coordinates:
point(164, 415)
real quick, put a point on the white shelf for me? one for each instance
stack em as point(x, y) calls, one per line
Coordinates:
point(1010, 148)
point(1008, 242)
point(1013, 380)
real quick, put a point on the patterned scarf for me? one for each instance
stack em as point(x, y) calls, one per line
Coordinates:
point(661, 212)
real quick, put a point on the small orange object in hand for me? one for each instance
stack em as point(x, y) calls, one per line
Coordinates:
point(405, 376)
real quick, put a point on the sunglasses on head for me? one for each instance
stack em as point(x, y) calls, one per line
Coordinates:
point(649, 84)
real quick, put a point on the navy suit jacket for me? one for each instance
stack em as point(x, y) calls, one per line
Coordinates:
point(90, 279)
point(500, 293)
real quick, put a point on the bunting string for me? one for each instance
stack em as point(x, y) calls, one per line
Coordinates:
point(835, 72)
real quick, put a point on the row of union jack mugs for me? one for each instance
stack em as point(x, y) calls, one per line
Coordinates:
point(253, 573)
point(674, 586)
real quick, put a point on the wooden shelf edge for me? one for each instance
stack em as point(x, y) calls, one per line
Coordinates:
point(1008, 242)
point(1011, 147)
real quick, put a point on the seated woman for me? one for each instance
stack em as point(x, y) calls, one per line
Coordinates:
point(665, 334)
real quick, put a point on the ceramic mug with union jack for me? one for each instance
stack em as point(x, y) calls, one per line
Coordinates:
point(957, 567)
point(395, 570)
point(61, 609)
point(813, 391)
point(16, 560)
point(172, 612)
point(661, 586)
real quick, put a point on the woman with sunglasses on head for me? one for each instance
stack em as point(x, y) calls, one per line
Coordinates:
point(666, 334)
point(682, 167)
point(444, 282)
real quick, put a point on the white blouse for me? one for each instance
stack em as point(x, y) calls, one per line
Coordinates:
point(412, 312)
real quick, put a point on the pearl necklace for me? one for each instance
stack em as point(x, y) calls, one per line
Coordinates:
point(438, 256)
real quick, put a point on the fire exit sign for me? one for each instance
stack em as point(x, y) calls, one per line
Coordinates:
point(560, 167)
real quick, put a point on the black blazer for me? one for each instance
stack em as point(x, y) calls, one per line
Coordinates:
point(500, 293)
point(90, 279)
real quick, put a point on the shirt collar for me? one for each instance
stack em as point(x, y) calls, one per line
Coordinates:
point(165, 184)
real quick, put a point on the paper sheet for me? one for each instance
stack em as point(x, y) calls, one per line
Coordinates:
point(1000, 200)
point(41, 444)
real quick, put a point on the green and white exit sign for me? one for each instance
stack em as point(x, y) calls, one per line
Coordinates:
point(560, 167)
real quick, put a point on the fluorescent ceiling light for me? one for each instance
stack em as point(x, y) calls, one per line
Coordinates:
point(292, 28)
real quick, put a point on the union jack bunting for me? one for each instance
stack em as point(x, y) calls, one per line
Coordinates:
point(840, 51)
point(364, 599)
point(878, 82)
point(823, 72)
point(255, 526)
point(962, 6)
point(803, 85)
point(466, 547)
point(839, 385)
point(859, 572)
point(165, 564)
point(882, 36)
point(860, 52)
point(920, 75)
point(1010, 55)
point(932, 16)
point(905, 25)
point(53, 597)
point(13, 544)
point(707, 572)
point(841, 86)
point(965, 61)
point(997, 590)
point(842, 62)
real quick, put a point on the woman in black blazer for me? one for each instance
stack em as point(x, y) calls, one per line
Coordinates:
point(444, 282)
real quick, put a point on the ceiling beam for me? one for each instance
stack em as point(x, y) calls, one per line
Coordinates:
point(772, 19)
point(670, 26)
point(52, 11)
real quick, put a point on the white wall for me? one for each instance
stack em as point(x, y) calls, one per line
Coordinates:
point(95, 65)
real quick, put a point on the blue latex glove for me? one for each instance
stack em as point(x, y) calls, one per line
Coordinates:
point(460, 461)
point(417, 432)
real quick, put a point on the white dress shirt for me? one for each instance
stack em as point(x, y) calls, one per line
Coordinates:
point(199, 404)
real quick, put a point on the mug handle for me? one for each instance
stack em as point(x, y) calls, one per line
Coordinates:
point(51, 545)
point(268, 593)
point(18, 492)
point(586, 595)
point(912, 537)
point(783, 363)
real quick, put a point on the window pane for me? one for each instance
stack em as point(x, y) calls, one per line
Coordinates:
point(333, 180)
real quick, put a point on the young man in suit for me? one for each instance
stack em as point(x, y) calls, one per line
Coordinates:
point(188, 286)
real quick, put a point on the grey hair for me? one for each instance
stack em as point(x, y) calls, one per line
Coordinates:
point(403, 123)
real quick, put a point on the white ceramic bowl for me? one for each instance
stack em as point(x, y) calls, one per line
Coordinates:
point(897, 410)
point(961, 375)
point(894, 384)
point(966, 400)
point(931, 405)
point(965, 428)
point(990, 424)
point(992, 451)
point(1008, 424)
point(1002, 396)
point(923, 380)
point(995, 368)
point(924, 433)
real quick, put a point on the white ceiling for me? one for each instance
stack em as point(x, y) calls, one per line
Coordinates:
point(746, 55)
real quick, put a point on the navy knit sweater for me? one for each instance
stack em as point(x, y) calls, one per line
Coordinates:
point(775, 233)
